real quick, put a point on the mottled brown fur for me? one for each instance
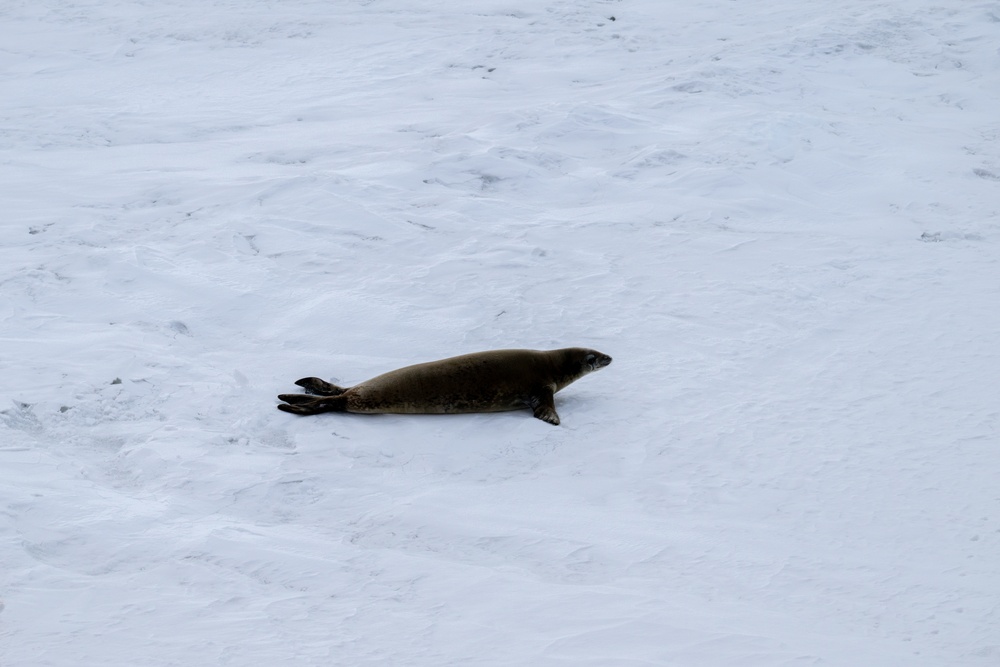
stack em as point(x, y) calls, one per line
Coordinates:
point(491, 381)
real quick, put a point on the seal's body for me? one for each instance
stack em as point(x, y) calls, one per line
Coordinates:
point(492, 381)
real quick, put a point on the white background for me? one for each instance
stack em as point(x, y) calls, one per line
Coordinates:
point(780, 219)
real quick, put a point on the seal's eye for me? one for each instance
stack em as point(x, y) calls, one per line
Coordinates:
point(589, 360)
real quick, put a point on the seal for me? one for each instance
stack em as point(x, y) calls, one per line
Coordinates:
point(493, 381)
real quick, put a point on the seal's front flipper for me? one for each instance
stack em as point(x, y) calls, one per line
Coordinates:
point(320, 387)
point(544, 406)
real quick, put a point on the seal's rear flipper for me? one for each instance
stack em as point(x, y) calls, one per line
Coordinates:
point(298, 399)
point(303, 404)
point(295, 409)
point(320, 387)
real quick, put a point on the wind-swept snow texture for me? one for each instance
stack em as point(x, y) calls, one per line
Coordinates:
point(780, 218)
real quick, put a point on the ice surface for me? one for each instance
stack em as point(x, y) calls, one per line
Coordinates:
point(780, 218)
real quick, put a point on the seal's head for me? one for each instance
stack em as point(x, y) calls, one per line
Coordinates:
point(594, 360)
point(575, 362)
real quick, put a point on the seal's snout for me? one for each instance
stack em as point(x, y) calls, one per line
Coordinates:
point(595, 360)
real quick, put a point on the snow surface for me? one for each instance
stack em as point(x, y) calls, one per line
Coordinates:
point(781, 220)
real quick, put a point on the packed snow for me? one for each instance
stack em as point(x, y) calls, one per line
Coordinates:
point(780, 219)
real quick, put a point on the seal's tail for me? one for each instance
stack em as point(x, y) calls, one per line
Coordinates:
point(304, 404)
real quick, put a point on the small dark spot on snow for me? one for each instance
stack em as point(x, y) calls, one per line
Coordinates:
point(116, 381)
point(180, 327)
point(690, 87)
point(489, 179)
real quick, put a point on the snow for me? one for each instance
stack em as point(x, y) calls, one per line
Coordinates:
point(780, 220)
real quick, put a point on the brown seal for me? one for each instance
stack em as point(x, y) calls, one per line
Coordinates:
point(492, 381)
